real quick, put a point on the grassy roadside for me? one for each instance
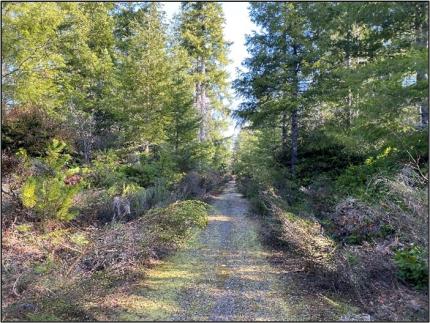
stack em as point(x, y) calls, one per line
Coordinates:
point(66, 273)
point(328, 274)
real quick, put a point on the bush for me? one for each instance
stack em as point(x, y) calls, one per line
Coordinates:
point(176, 221)
point(52, 187)
point(412, 266)
point(354, 179)
point(146, 198)
point(31, 128)
point(105, 170)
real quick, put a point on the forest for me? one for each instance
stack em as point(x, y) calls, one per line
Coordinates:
point(117, 170)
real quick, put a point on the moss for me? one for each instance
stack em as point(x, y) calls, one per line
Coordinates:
point(352, 259)
point(43, 317)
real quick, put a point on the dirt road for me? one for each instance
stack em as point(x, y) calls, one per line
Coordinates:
point(223, 274)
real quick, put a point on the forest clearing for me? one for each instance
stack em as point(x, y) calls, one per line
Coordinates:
point(215, 161)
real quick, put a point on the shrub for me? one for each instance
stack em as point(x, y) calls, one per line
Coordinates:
point(31, 128)
point(144, 199)
point(412, 266)
point(354, 179)
point(176, 221)
point(52, 187)
point(105, 170)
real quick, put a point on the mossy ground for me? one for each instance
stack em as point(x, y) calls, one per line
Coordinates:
point(223, 273)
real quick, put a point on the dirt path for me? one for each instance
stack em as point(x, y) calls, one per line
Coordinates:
point(223, 274)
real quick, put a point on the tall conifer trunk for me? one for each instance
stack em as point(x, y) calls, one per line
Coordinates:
point(348, 111)
point(200, 101)
point(294, 115)
point(284, 129)
point(421, 29)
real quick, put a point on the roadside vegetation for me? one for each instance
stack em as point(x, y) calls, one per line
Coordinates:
point(113, 137)
point(109, 147)
point(334, 148)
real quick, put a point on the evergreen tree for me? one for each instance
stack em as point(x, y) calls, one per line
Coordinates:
point(30, 58)
point(278, 70)
point(183, 118)
point(144, 73)
point(201, 34)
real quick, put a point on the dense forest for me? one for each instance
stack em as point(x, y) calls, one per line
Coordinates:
point(113, 142)
point(107, 112)
point(335, 139)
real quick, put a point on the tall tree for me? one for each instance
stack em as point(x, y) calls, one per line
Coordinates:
point(30, 58)
point(87, 77)
point(277, 69)
point(144, 74)
point(183, 118)
point(378, 82)
point(201, 34)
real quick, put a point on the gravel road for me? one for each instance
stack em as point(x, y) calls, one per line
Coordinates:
point(223, 274)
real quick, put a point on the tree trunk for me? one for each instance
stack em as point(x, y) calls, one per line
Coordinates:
point(348, 63)
point(294, 115)
point(294, 137)
point(349, 98)
point(3, 97)
point(176, 135)
point(200, 101)
point(284, 130)
point(422, 42)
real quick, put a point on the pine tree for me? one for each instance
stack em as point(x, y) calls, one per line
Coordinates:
point(183, 118)
point(30, 58)
point(87, 77)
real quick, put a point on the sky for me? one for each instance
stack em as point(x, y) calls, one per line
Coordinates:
point(237, 26)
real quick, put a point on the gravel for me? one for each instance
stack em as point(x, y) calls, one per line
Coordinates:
point(223, 274)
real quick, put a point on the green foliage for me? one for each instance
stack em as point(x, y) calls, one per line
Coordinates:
point(79, 239)
point(352, 259)
point(201, 35)
point(355, 179)
point(109, 80)
point(45, 266)
point(46, 192)
point(177, 220)
point(23, 228)
point(32, 129)
point(105, 170)
point(28, 193)
point(344, 68)
point(412, 265)
point(146, 198)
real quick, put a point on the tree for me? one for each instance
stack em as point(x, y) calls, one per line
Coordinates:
point(183, 118)
point(30, 59)
point(87, 77)
point(365, 67)
point(277, 70)
point(201, 34)
point(144, 77)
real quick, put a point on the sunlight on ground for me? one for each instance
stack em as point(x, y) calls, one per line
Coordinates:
point(221, 274)
point(220, 218)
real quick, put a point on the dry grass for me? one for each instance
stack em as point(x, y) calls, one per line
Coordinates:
point(366, 271)
point(52, 263)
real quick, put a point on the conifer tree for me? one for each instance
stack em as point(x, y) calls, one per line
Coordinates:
point(277, 69)
point(144, 73)
point(201, 34)
point(183, 122)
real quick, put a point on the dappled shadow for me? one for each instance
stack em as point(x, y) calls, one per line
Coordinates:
point(222, 275)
